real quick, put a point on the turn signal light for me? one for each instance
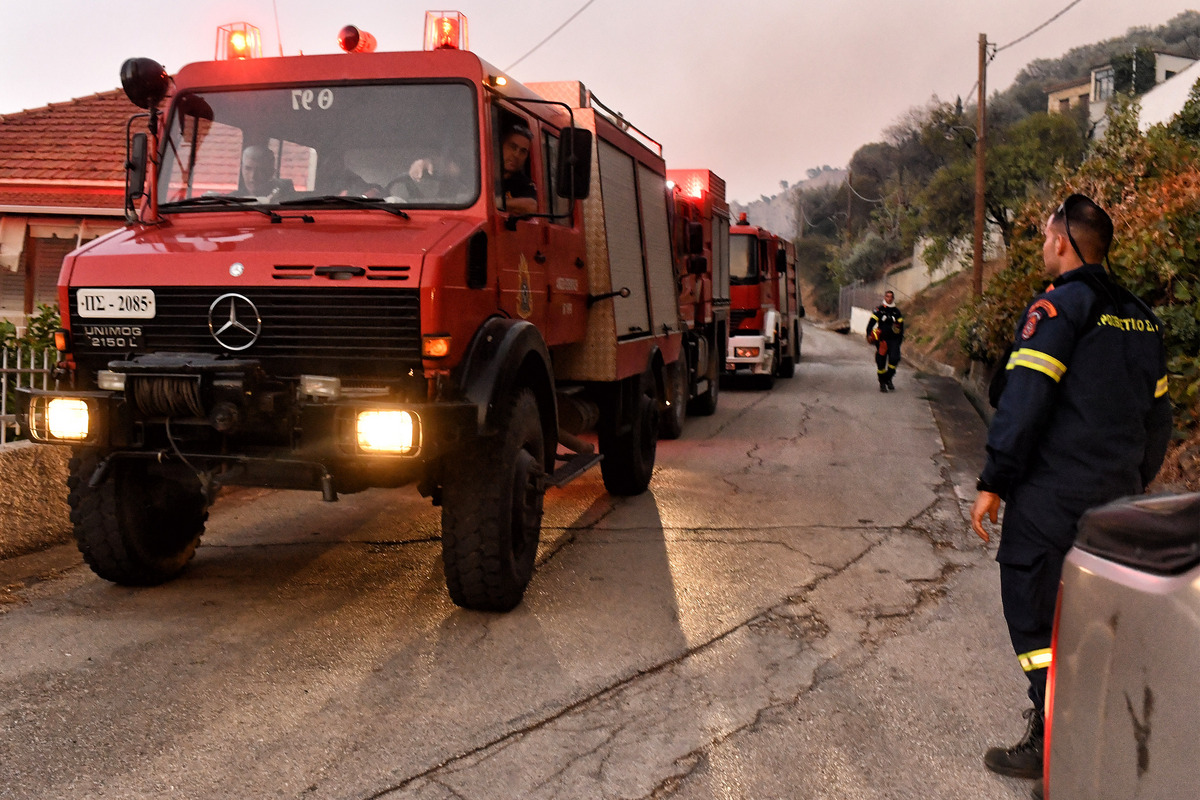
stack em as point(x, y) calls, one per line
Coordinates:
point(435, 346)
point(745, 352)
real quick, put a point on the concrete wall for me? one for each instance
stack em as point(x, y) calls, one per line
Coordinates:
point(33, 497)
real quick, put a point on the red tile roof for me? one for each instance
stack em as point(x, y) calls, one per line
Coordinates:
point(68, 154)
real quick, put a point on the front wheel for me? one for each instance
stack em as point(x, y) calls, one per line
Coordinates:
point(787, 367)
point(140, 525)
point(492, 511)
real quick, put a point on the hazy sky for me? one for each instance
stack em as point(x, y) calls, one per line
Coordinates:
point(757, 90)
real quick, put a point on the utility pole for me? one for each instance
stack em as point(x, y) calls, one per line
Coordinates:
point(980, 172)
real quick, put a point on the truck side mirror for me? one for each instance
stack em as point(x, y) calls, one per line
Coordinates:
point(573, 172)
point(697, 265)
point(695, 238)
point(135, 170)
point(781, 261)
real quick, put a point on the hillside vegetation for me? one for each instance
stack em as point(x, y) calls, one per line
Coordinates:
point(917, 185)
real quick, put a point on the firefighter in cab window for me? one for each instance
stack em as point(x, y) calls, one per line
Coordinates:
point(519, 193)
point(886, 331)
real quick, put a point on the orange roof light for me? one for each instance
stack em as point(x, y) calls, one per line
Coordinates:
point(445, 30)
point(238, 41)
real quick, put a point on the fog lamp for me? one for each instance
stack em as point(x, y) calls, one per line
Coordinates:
point(387, 431)
point(67, 418)
point(745, 352)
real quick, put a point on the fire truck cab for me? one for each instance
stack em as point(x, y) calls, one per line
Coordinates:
point(765, 304)
point(364, 270)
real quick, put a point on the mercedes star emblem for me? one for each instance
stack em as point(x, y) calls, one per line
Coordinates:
point(234, 322)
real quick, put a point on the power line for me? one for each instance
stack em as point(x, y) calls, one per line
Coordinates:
point(1038, 28)
point(1019, 39)
point(554, 32)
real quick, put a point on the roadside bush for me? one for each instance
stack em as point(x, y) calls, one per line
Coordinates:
point(1150, 184)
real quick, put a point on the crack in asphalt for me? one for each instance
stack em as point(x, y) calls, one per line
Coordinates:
point(931, 523)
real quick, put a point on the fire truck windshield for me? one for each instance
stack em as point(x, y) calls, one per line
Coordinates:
point(743, 259)
point(410, 144)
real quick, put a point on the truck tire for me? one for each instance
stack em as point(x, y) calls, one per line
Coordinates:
point(492, 511)
point(674, 411)
point(137, 527)
point(629, 449)
point(766, 380)
point(787, 366)
point(705, 404)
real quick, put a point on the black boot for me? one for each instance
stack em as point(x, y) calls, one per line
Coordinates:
point(1023, 759)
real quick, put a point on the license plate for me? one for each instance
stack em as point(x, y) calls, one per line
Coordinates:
point(115, 303)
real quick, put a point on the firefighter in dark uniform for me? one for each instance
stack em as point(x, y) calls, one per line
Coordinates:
point(1083, 418)
point(885, 330)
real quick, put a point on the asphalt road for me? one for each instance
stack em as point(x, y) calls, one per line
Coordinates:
point(797, 609)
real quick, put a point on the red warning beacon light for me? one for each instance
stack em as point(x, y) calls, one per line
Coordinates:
point(238, 41)
point(355, 40)
point(445, 30)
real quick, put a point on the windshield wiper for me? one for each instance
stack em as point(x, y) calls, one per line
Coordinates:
point(341, 200)
point(221, 200)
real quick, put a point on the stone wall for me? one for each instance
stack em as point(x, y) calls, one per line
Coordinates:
point(33, 497)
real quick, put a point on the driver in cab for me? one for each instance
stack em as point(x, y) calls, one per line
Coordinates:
point(258, 174)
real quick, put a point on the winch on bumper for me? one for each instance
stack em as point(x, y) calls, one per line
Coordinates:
point(228, 418)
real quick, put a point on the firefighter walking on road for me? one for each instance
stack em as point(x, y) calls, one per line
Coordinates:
point(886, 332)
point(1083, 418)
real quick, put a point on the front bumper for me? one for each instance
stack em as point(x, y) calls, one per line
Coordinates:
point(749, 354)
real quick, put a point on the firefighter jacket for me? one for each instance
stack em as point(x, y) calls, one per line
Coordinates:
point(1084, 415)
point(890, 321)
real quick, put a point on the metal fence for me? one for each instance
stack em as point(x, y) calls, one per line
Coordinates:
point(858, 295)
point(19, 367)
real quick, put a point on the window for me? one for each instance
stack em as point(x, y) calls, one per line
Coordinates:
point(318, 140)
point(743, 259)
point(559, 206)
point(1102, 84)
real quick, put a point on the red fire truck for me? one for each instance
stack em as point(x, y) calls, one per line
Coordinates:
point(701, 232)
point(367, 304)
point(765, 304)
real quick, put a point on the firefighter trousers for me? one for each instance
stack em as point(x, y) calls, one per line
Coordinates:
point(887, 358)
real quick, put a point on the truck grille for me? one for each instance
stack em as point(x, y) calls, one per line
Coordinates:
point(358, 331)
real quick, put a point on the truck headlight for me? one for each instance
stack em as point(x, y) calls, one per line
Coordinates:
point(67, 418)
point(387, 431)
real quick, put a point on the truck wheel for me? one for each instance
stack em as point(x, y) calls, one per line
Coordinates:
point(766, 380)
point(705, 405)
point(629, 449)
point(672, 415)
point(138, 527)
point(492, 512)
point(787, 366)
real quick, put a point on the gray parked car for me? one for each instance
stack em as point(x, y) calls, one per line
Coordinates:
point(1124, 700)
